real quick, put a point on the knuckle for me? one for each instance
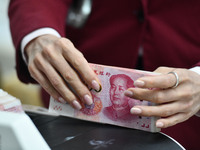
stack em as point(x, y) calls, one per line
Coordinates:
point(161, 68)
point(158, 98)
point(151, 82)
point(47, 88)
point(81, 92)
point(166, 113)
point(48, 52)
point(188, 105)
point(80, 54)
point(51, 91)
point(185, 77)
point(137, 95)
point(55, 82)
point(69, 97)
point(77, 62)
point(65, 42)
point(148, 113)
point(33, 74)
point(166, 124)
point(176, 121)
point(169, 80)
point(68, 76)
point(31, 70)
point(66, 45)
point(187, 93)
point(169, 123)
point(37, 59)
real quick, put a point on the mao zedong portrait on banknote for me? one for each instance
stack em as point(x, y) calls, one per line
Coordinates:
point(120, 108)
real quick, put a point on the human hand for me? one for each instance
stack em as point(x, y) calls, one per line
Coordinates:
point(174, 105)
point(61, 70)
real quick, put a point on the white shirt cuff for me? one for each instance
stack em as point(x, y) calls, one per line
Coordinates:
point(34, 34)
point(197, 70)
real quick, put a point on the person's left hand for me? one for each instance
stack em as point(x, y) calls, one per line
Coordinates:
point(174, 105)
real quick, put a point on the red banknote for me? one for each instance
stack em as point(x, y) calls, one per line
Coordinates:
point(9, 103)
point(110, 105)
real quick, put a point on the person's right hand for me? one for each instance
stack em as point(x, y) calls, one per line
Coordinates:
point(61, 70)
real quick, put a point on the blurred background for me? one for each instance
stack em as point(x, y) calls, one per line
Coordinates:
point(27, 93)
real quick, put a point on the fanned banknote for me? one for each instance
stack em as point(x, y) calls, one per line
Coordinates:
point(9, 103)
point(110, 105)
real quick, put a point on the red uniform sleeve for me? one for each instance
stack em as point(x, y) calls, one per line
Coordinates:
point(27, 16)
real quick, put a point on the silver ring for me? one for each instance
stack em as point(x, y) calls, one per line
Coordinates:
point(177, 79)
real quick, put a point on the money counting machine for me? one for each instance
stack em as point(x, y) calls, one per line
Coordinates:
point(18, 132)
point(36, 130)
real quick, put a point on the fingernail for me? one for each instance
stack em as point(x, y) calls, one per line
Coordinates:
point(139, 83)
point(76, 105)
point(136, 111)
point(60, 99)
point(128, 93)
point(87, 99)
point(96, 86)
point(159, 124)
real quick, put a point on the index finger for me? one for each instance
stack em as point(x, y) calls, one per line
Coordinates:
point(162, 81)
point(80, 64)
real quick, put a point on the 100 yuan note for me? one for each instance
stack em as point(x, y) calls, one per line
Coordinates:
point(110, 105)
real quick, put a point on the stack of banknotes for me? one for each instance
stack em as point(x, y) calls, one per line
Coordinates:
point(110, 105)
point(9, 103)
